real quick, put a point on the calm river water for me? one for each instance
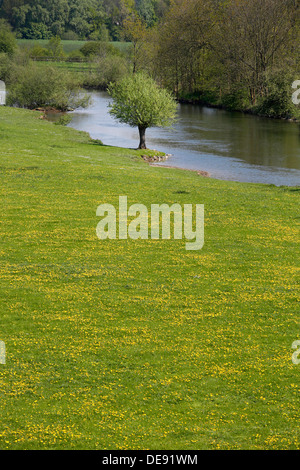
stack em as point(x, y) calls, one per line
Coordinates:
point(228, 145)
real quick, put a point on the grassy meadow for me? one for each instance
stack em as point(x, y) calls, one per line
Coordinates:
point(141, 344)
point(68, 45)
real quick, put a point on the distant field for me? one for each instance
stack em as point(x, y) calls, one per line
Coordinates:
point(68, 46)
point(70, 66)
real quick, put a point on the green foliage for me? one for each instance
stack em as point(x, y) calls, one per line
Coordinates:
point(30, 87)
point(7, 39)
point(139, 101)
point(277, 101)
point(232, 49)
point(75, 55)
point(234, 100)
point(146, 10)
point(36, 31)
point(108, 62)
point(99, 48)
point(69, 36)
point(100, 34)
point(111, 69)
point(55, 47)
point(90, 48)
point(38, 51)
point(71, 19)
point(5, 64)
point(63, 120)
point(106, 70)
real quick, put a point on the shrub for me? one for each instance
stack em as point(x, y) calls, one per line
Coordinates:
point(55, 47)
point(30, 87)
point(70, 36)
point(99, 48)
point(8, 43)
point(4, 66)
point(110, 69)
point(234, 100)
point(63, 120)
point(75, 55)
point(90, 48)
point(277, 101)
point(39, 51)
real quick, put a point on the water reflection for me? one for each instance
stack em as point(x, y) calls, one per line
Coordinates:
point(228, 145)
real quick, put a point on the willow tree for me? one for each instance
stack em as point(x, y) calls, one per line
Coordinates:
point(140, 102)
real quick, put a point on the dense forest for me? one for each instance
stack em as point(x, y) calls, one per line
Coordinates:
point(74, 19)
point(242, 54)
point(237, 54)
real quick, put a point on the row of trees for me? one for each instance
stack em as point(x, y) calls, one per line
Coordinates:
point(237, 53)
point(73, 19)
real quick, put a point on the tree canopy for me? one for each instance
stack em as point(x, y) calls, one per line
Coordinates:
point(139, 102)
point(41, 19)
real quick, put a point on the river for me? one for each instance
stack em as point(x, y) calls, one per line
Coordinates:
point(228, 145)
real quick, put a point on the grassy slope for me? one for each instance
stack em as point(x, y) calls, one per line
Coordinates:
point(140, 344)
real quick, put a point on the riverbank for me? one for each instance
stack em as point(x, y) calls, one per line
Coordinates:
point(250, 111)
point(218, 142)
point(139, 344)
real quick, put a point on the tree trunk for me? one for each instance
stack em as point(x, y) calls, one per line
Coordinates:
point(142, 131)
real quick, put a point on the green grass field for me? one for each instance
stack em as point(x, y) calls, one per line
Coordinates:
point(68, 45)
point(79, 70)
point(141, 344)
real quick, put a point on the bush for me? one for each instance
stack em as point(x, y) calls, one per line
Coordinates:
point(8, 43)
point(64, 120)
point(99, 48)
point(75, 55)
point(29, 87)
point(8, 65)
point(236, 100)
point(70, 36)
point(110, 69)
point(39, 51)
point(4, 66)
point(277, 101)
point(55, 47)
point(90, 48)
